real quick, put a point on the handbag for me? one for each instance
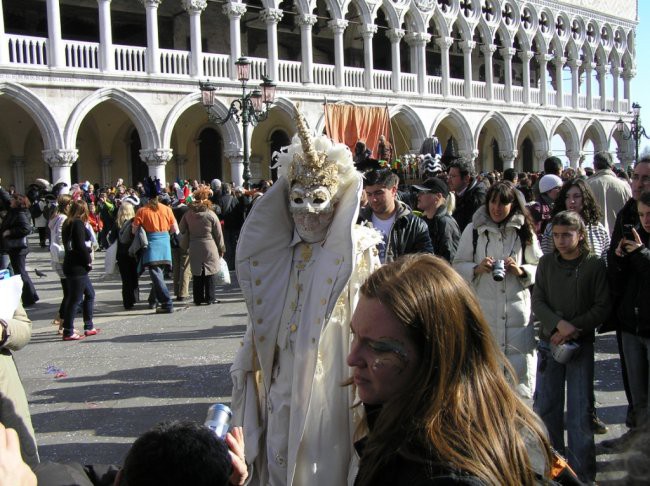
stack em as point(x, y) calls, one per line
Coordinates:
point(15, 243)
point(110, 259)
point(223, 275)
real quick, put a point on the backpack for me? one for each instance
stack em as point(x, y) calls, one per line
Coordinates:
point(49, 209)
point(522, 237)
point(35, 210)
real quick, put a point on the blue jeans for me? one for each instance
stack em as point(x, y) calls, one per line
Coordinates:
point(637, 357)
point(79, 288)
point(549, 405)
point(159, 286)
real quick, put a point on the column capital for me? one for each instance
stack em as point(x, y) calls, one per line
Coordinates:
point(617, 71)
point(194, 5)
point(234, 9)
point(508, 154)
point(574, 63)
point(338, 26)
point(467, 46)
point(234, 153)
point(60, 157)
point(561, 60)
point(444, 43)
point(417, 38)
point(151, 3)
point(17, 161)
point(468, 155)
point(306, 19)
point(629, 73)
point(271, 15)
point(106, 161)
point(603, 69)
point(156, 157)
point(180, 159)
point(488, 49)
point(543, 154)
point(508, 52)
point(367, 31)
point(526, 56)
point(395, 35)
point(544, 58)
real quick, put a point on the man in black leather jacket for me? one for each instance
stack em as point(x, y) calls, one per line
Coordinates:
point(403, 232)
point(470, 193)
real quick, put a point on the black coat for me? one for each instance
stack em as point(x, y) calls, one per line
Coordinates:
point(444, 233)
point(467, 204)
point(18, 222)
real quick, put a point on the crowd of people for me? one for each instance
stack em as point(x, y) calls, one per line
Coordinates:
point(439, 352)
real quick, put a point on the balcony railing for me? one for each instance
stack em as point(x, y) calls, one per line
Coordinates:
point(86, 56)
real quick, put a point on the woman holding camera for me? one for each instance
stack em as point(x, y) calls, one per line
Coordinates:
point(571, 298)
point(498, 254)
point(439, 408)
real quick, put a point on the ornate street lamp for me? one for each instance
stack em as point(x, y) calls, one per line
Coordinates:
point(636, 130)
point(251, 108)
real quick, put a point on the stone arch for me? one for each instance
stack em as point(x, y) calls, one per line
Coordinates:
point(565, 128)
point(464, 138)
point(504, 134)
point(40, 113)
point(393, 17)
point(440, 23)
point(362, 7)
point(136, 111)
point(599, 138)
point(542, 138)
point(467, 33)
point(418, 131)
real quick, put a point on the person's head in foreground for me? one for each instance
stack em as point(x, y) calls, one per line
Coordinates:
point(423, 353)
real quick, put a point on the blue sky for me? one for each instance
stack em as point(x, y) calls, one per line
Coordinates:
point(641, 83)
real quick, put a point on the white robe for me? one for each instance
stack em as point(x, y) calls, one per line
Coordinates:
point(321, 422)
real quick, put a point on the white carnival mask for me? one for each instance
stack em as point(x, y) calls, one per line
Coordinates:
point(310, 199)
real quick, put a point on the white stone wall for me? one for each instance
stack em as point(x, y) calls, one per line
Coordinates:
point(626, 9)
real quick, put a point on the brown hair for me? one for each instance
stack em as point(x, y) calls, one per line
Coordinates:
point(201, 197)
point(63, 204)
point(507, 193)
point(574, 221)
point(78, 210)
point(590, 209)
point(460, 404)
point(22, 201)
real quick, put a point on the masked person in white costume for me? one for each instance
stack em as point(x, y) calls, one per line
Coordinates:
point(300, 262)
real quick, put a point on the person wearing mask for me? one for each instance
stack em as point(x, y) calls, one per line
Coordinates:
point(438, 407)
point(610, 192)
point(469, 192)
point(498, 255)
point(443, 229)
point(402, 231)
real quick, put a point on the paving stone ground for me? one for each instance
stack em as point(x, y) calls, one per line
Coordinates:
point(143, 368)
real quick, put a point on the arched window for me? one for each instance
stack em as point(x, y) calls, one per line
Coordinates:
point(210, 155)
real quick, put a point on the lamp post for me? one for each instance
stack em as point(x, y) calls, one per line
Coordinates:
point(636, 130)
point(251, 108)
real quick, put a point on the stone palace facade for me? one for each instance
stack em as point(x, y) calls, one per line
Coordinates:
point(100, 89)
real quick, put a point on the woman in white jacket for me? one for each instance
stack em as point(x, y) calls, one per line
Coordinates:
point(501, 236)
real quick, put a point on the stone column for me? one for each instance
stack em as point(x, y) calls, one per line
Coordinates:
point(156, 159)
point(61, 160)
point(616, 73)
point(574, 158)
point(603, 71)
point(106, 53)
point(306, 22)
point(106, 163)
point(194, 9)
point(467, 47)
point(271, 17)
point(18, 165)
point(559, 91)
point(628, 75)
point(153, 49)
point(543, 60)
point(575, 64)
point(525, 57)
point(395, 36)
point(540, 156)
point(55, 48)
point(507, 53)
point(338, 27)
point(468, 155)
point(236, 158)
point(368, 31)
point(4, 50)
point(445, 43)
point(508, 157)
point(234, 11)
point(488, 51)
point(589, 67)
point(181, 165)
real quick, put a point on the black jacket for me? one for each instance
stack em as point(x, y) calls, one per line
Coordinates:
point(467, 204)
point(408, 235)
point(630, 276)
point(76, 241)
point(444, 233)
point(18, 222)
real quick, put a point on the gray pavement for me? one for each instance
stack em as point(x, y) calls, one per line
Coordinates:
point(143, 368)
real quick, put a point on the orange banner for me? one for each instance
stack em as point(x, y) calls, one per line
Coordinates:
point(348, 124)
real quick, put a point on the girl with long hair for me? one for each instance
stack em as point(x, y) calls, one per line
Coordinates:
point(571, 299)
point(57, 251)
point(438, 404)
point(128, 265)
point(78, 241)
point(498, 254)
point(576, 195)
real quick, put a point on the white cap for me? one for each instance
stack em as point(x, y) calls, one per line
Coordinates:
point(549, 182)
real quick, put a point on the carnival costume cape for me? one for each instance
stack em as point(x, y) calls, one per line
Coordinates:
point(322, 422)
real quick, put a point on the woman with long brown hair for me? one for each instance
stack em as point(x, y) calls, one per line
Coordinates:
point(57, 251)
point(431, 379)
point(77, 263)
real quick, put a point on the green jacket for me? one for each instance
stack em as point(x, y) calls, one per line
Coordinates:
point(579, 295)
